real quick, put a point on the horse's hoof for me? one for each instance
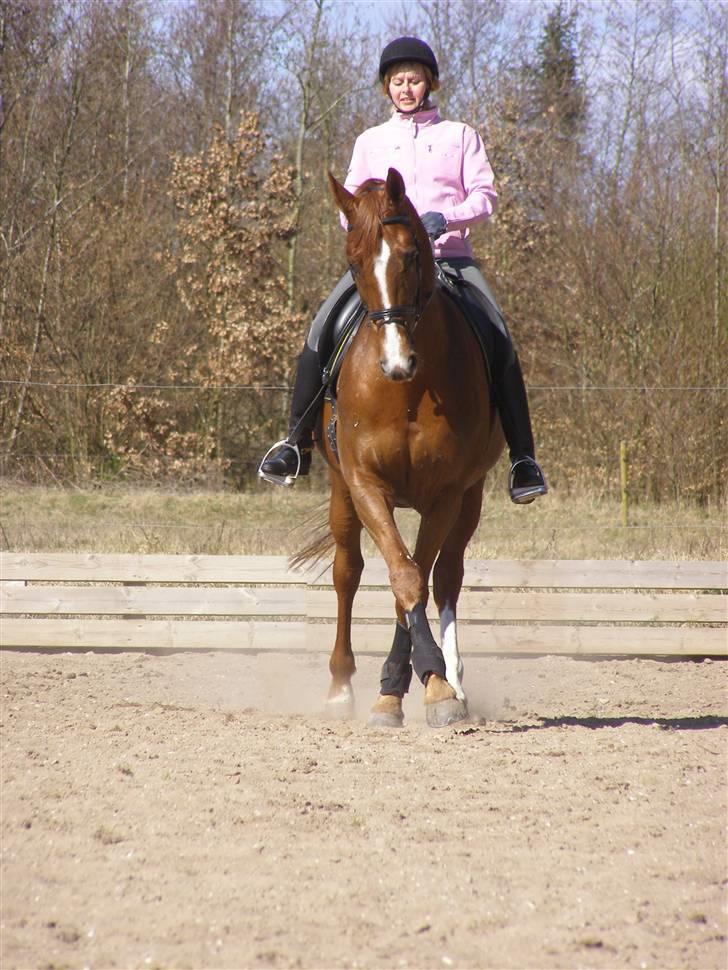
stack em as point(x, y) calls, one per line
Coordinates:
point(340, 707)
point(384, 719)
point(336, 711)
point(387, 712)
point(449, 711)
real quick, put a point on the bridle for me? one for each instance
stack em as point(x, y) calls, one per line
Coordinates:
point(406, 315)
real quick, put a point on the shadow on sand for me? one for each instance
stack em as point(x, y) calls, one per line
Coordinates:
point(701, 723)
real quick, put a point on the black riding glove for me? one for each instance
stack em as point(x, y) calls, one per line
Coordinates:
point(435, 224)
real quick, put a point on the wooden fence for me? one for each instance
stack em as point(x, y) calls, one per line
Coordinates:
point(159, 602)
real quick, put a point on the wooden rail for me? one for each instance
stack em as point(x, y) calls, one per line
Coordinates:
point(159, 602)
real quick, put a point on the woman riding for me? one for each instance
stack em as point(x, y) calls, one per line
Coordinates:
point(449, 181)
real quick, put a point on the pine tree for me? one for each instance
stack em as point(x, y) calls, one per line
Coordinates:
point(558, 93)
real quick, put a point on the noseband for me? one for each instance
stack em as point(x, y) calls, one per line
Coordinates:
point(407, 313)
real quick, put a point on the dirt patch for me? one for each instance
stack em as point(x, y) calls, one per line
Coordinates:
point(195, 811)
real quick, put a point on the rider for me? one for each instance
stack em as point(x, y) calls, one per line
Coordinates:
point(450, 183)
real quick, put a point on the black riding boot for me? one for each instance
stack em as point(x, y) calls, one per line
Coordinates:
point(291, 457)
point(526, 480)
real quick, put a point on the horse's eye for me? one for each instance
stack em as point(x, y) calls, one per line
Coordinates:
point(410, 257)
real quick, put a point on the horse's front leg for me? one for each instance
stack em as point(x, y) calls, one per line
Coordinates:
point(348, 565)
point(375, 508)
point(444, 698)
point(395, 678)
point(409, 584)
point(447, 582)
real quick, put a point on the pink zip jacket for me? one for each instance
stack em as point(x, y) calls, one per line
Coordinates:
point(444, 167)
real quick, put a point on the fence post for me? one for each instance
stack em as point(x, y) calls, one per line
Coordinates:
point(623, 480)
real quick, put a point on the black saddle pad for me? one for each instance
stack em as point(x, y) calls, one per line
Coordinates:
point(472, 305)
point(349, 313)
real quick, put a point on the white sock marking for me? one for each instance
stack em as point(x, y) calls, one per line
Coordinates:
point(345, 695)
point(449, 641)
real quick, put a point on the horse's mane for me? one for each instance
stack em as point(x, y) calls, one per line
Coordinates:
point(367, 218)
point(366, 187)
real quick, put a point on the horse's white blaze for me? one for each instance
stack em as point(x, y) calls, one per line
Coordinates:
point(396, 352)
point(449, 642)
point(380, 274)
point(396, 355)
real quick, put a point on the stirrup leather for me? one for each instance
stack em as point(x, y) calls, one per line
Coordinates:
point(287, 480)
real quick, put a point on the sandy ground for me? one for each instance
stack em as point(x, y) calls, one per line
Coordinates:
point(197, 811)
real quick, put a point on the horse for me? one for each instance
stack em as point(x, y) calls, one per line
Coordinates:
point(415, 428)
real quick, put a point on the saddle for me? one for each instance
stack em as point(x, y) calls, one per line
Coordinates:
point(347, 318)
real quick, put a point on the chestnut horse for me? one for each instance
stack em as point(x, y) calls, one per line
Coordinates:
point(415, 429)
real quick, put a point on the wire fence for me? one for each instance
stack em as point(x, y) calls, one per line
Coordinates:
point(66, 439)
point(648, 388)
point(214, 525)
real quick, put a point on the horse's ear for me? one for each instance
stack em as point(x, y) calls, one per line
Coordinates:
point(343, 198)
point(395, 185)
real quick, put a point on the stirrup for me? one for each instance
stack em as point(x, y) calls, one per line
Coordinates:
point(287, 480)
point(526, 493)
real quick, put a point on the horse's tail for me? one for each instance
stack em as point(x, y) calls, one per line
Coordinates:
point(320, 544)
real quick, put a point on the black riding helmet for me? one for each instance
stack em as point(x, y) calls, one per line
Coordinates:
point(407, 49)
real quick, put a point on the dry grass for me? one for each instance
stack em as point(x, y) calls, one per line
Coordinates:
point(272, 521)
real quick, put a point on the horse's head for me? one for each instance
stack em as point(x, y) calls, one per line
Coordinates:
point(391, 258)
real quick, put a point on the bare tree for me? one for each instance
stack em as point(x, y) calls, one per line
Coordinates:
point(330, 73)
point(218, 58)
point(82, 135)
point(608, 249)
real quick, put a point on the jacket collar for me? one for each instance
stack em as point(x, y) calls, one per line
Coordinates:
point(429, 117)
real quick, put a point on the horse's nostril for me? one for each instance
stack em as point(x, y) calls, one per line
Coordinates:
point(413, 363)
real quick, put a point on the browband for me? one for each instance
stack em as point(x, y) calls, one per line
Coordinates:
point(393, 313)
